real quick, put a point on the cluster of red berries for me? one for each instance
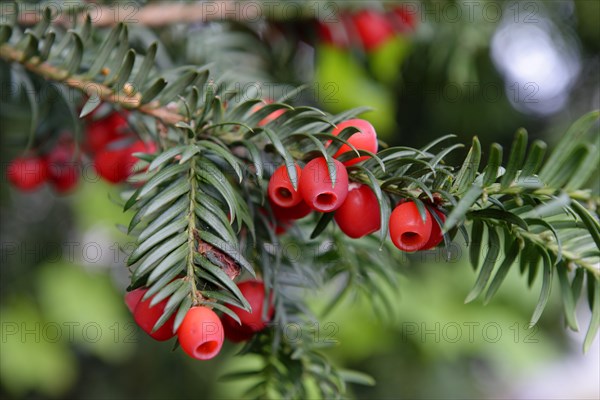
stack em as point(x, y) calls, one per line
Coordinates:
point(315, 190)
point(111, 144)
point(357, 210)
point(58, 167)
point(368, 28)
point(202, 332)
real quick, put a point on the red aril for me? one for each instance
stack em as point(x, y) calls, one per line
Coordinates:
point(27, 173)
point(254, 292)
point(146, 317)
point(317, 189)
point(281, 190)
point(201, 333)
point(359, 215)
point(436, 231)
point(407, 229)
point(110, 165)
point(365, 139)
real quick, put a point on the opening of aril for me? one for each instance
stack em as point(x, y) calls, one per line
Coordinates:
point(410, 238)
point(207, 347)
point(326, 199)
point(284, 193)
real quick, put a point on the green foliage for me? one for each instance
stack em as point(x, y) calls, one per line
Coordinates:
point(200, 218)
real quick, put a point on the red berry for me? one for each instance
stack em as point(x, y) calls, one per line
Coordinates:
point(373, 28)
point(407, 229)
point(27, 173)
point(316, 186)
point(254, 292)
point(133, 298)
point(63, 170)
point(365, 139)
point(103, 131)
point(146, 316)
point(201, 333)
point(110, 165)
point(281, 190)
point(436, 231)
point(116, 165)
point(360, 213)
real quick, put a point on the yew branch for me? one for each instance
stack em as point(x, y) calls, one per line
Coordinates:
point(91, 88)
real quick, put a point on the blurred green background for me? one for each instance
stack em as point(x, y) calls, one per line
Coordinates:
point(486, 70)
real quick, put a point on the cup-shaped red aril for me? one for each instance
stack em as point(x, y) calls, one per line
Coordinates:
point(407, 229)
point(254, 292)
point(201, 333)
point(359, 215)
point(317, 189)
point(365, 139)
point(436, 231)
point(146, 317)
point(27, 173)
point(281, 190)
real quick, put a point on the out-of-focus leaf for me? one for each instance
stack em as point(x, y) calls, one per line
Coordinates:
point(488, 266)
point(494, 162)
point(509, 259)
point(567, 297)
point(546, 287)
point(517, 154)
point(466, 175)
